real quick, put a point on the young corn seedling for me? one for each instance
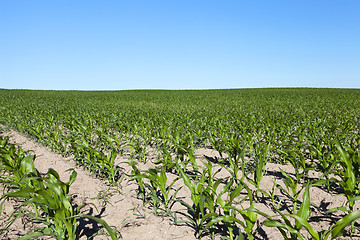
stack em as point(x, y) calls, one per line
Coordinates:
point(234, 147)
point(138, 177)
point(211, 201)
point(184, 146)
point(53, 200)
point(166, 161)
point(292, 190)
point(298, 162)
point(349, 177)
point(119, 143)
point(229, 211)
point(217, 144)
point(109, 163)
point(10, 158)
point(301, 218)
point(130, 140)
point(326, 165)
point(228, 216)
point(202, 191)
point(4, 141)
point(140, 149)
point(20, 169)
point(160, 193)
point(236, 153)
point(349, 174)
point(261, 157)
point(49, 194)
point(248, 215)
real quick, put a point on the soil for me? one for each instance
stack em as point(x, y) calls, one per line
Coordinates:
point(122, 209)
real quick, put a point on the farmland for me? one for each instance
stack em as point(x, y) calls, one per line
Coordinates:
point(233, 164)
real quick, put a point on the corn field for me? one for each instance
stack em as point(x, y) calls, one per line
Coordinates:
point(315, 132)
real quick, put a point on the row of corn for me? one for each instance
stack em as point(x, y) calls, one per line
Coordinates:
point(42, 199)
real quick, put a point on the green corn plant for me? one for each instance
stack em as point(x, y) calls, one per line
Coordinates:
point(248, 215)
point(184, 146)
point(53, 200)
point(335, 231)
point(230, 223)
point(301, 215)
point(94, 161)
point(350, 175)
point(326, 165)
point(109, 163)
point(301, 218)
point(298, 162)
point(49, 195)
point(140, 149)
point(234, 147)
point(349, 178)
point(261, 157)
point(4, 140)
point(199, 193)
point(146, 140)
point(210, 192)
point(119, 143)
point(248, 221)
point(101, 164)
point(105, 140)
point(54, 137)
point(159, 192)
point(292, 190)
point(212, 202)
point(236, 153)
point(38, 132)
point(192, 160)
point(338, 229)
point(211, 209)
point(20, 169)
point(166, 161)
point(229, 211)
point(10, 158)
point(130, 142)
point(138, 177)
point(217, 144)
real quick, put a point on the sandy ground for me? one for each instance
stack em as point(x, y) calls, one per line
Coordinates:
point(125, 212)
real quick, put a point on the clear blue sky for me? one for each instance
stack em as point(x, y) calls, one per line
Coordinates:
point(179, 44)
